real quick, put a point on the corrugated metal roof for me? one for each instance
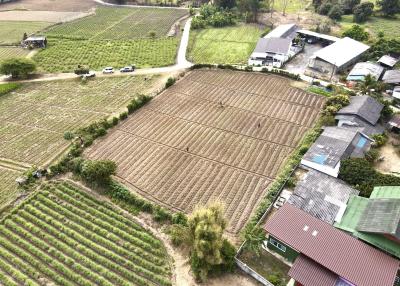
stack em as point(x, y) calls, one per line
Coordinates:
point(322, 196)
point(273, 45)
point(283, 31)
point(365, 107)
point(361, 70)
point(388, 60)
point(318, 35)
point(342, 254)
point(309, 273)
point(392, 76)
point(389, 192)
point(342, 51)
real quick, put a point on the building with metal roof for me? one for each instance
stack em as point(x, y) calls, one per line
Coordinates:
point(375, 220)
point(388, 61)
point(322, 196)
point(351, 260)
point(391, 77)
point(394, 123)
point(338, 56)
point(363, 112)
point(276, 47)
point(361, 70)
point(334, 145)
point(316, 35)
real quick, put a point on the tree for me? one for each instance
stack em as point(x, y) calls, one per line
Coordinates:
point(357, 33)
point(316, 4)
point(17, 67)
point(284, 6)
point(250, 9)
point(349, 5)
point(389, 7)
point(325, 8)
point(98, 171)
point(254, 236)
point(225, 4)
point(363, 11)
point(209, 251)
point(24, 37)
point(335, 13)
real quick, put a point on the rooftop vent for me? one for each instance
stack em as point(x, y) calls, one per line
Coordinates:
point(314, 233)
point(305, 228)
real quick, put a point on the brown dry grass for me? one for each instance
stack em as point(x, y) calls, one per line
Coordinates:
point(49, 5)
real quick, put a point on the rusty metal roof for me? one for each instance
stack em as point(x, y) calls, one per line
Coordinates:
point(337, 251)
point(310, 273)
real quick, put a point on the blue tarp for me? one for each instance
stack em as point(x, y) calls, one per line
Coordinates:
point(361, 142)
point(320, 159)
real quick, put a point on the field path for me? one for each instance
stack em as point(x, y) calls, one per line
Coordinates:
point(136, 6)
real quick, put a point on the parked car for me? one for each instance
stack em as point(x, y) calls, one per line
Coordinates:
point(127, 69)
point(89, 74)
point(108, 70)
point(396, 92)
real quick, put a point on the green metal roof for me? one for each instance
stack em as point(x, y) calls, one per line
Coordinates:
point(351, 217)
point(387, 192)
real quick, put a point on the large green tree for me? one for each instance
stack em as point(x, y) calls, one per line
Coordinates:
point(363, 11)
point(389, 7)
point(17, 67)
point(349, 5)
point(249, 8)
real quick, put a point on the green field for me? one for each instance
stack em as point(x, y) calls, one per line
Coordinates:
point(8, 186)
point(66, 55)
point(391, 27)
point(34, 118)
point(11, 52)
point(119, 24)
point(229, 45)
point(293, 6)
point(11, 32)
point(63, 236)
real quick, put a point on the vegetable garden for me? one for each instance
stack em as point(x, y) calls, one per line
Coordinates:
point(215, 135)
point(63, 236)
point(12, 52)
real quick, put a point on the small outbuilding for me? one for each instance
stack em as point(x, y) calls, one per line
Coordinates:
point(388, 61)
point(392, 77)
point(361, 70)
point(394, 124)
point(338, 56)
point(35, 42)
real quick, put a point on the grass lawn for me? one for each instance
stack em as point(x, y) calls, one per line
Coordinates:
point(228, 45)
point(11, 32)
point(390, 26)
point(266, 264)
point(66, 55)
point(11, 52)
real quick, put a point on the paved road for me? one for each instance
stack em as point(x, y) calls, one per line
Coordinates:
point(181, 64)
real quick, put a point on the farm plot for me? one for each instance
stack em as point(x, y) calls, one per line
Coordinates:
point(11, 52)
point(63, 236)
point(8, 187)
point(35, 117)
point(11, 32)
point(119, 24)
point(49, 5)
point(215, 135)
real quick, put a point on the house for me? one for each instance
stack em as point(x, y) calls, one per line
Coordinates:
point(363, 112)
point(325, 256)
point(388, 61)
point(332, 146)
point(276, 47)
point(375, 220)
point(394, 124)
point(392, 77)
point(361, 70)
point(35, 42)
point(322, 196)
point(338, 56)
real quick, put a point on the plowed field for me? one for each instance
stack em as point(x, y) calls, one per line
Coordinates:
point(215, 135)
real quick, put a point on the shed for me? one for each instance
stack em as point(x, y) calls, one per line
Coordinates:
point(308, 33)
point(392, 77)
point(338, 56)
point(35, 41)
point(388, 61)
point(286, 31)
point(394, 124)
point(361, 70)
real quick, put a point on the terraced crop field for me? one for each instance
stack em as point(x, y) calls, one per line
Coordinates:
point(33, 119)
point(119, 24)
point(12, 52)
point(215, 135)
point(63, 236)
point(11, 32)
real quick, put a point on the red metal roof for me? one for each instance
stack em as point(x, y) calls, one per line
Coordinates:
point(310, 273)
point(339, 252)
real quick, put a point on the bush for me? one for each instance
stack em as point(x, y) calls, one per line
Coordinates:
point(357, 33)
point(275, 279)
point(98, 171)
point(380, 140)
point(17, 67)
point(372, 155)
point(348, 6)
point(161, 215)
point(170, 82)
point(363, 11)
point(81, 70)
point(123, 116)
point(335, 13)
point(115, 121)
point(179, 218)
point(325, 8)
point(68, 135)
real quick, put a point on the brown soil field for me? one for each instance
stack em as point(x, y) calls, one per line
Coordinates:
point(214, 135)
point(49, 5)
point(41, 16)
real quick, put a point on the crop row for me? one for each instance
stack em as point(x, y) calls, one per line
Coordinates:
point(119, 24)
point(75, 246)
point(8, 188)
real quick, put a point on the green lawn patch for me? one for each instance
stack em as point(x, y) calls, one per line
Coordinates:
point(7, 87)
point(66, 55)
point(293, 6)
point(376, 24)
point(319, 90)
point(11, 32)
point(228, 45)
